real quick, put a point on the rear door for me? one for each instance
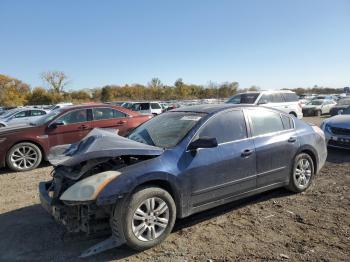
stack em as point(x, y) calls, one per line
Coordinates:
point(107, 117)
point(276, 143)
point(76, 124)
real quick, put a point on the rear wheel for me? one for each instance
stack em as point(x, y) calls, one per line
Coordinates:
point(302, 174)
point(23, 157)
point(146, 219)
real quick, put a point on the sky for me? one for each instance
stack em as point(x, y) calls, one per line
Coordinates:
point(272, 44)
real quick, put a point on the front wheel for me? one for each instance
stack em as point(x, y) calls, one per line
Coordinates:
point(147, 219)
point(23, 157)
point(302, 174)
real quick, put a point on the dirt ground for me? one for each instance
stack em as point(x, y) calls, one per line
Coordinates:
point(277, 225)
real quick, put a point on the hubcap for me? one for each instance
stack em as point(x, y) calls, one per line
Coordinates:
point(24, 157)
point(150, 219)
point(303, 173)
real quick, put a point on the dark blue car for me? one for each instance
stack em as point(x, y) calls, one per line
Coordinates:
point(176, 164)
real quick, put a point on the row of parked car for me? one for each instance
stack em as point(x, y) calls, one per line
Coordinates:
point(27, 134)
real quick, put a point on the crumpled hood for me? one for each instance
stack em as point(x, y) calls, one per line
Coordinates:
point(341, 121)
point(99, 143)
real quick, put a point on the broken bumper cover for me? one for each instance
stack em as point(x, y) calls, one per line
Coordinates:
point(84, 217)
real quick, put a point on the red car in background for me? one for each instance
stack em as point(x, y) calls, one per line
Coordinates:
point(22, 147)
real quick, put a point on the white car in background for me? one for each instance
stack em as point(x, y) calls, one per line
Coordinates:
point(318, 107)
point(60, 105)
point(284, 100)
point(21, 116)
point(153, 108)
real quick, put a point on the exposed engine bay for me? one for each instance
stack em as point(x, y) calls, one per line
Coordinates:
point(101, 151)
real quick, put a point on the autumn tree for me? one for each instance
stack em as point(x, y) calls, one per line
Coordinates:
point(13, 92)
point(155, 83)
point(56, 81)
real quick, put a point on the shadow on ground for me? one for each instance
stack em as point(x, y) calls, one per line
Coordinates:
point(338, 156)
point(30, 233)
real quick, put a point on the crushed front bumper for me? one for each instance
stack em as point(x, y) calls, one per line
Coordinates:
point(84, 217)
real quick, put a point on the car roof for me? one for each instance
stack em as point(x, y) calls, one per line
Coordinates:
point(209, 109)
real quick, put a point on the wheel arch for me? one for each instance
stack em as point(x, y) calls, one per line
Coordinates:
point(293, 113)
point(312, 153)
point(126, 185)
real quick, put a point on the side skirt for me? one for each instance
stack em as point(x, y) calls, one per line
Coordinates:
point(235, 197)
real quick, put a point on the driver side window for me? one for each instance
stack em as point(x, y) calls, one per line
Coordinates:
point(73, 117)
point(225, 127)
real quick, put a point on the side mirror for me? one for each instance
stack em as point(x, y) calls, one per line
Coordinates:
point(56, 124)
point(203, 142)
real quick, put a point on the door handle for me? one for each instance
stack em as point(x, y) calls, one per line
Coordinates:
point(83, 127)
point(292, 139)
point(121, 122)
point(246, 152)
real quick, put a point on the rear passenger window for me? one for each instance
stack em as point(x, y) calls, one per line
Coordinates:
point(155, 106)
point(37, 113)
point(106, 113)
point(225, 127)
point(264, 122)
point(277, 98)
point(287, 122)
point(290, 97)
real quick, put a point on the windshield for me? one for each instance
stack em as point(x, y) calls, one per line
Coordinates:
point(166, 130)
point(344, 102)
point(46, 118)
point(248, 98)
point(315, 103)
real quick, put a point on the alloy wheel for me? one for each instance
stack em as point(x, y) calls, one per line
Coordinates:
point(150, 219)
point(303, 172)
point(24, 157)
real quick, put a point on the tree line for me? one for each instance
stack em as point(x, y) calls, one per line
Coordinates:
point(14, 92)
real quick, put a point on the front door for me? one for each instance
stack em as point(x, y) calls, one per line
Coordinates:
point(226, 170)
point(74, 125)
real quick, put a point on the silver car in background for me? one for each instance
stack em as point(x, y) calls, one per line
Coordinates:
point(21, 116)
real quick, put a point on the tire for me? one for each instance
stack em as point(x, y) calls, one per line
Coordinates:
point(318, 113)
point(23, 156)
point(124, 226)
point(302, 173)
point(2, 125)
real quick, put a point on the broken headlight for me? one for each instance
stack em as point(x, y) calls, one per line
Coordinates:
point(88, 188)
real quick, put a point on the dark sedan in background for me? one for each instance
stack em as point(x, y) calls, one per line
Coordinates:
point(337, 130)
point(342, 104)
point(181, 162)
point(22, 147)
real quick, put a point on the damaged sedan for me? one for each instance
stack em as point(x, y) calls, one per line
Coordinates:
point(179, 163)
